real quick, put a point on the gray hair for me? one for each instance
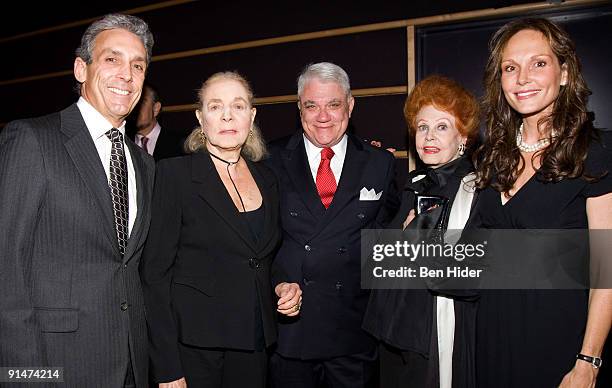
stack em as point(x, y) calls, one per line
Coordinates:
point(326, 72)
point(130, 23)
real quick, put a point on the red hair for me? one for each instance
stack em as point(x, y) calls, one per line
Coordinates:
point(449, 96)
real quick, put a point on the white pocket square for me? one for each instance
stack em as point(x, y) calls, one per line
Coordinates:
point(369, 195)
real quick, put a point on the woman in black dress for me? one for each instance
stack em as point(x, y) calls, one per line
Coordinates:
point(542, 166)
point(428, 336)
point(208, 275)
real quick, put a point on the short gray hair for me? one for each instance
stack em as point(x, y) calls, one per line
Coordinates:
point(326, 72)
point(133, 24)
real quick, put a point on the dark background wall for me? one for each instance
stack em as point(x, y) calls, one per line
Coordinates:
point(589, 28)
point(372, 59)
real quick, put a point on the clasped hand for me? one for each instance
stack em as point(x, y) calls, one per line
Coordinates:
point(290, 298)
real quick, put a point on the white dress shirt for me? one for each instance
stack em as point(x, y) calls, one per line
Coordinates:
point(98, 126)
point(314, 157)
point(152, 136)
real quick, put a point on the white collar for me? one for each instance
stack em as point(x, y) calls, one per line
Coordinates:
point(153, 134)
point(313, 152)
point(97, 124)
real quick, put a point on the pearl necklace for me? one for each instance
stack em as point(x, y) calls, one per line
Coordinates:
point(529, 148)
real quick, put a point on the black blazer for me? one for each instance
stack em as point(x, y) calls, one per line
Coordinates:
point(321, 248)
point(168, 145)
point(201, 270)
point(68, 297)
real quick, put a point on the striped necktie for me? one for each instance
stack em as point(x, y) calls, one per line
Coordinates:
point(119, 187)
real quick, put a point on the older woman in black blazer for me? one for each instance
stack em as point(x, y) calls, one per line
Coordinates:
point(208, 276)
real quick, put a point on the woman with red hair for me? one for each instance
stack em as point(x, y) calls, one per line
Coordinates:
point(427, 335)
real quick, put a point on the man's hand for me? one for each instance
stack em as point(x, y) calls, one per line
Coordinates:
point(290, 298)
point(378, 144)
point(180, 383)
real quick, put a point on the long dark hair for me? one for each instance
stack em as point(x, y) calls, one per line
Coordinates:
point(564, 158)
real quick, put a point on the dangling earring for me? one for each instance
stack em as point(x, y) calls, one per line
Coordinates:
point(202, 136)
point(251, 133)
point(461, 149)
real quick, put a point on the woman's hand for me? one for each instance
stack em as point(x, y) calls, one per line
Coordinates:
point(180, 383)
point(290, 298)
point(582, 375)
point(409, 218)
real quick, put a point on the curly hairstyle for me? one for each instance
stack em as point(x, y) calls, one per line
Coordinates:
point(564, 158)
point(254, 149)
point(447, 95)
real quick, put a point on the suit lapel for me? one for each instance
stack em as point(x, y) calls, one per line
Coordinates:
point(296, 163)
point(348, 187)
point(211, 189)
point(82, 150)
point(352, 169)
point(270, 201)
point(141, 194)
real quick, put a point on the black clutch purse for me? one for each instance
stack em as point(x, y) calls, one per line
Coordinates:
point(434, 204)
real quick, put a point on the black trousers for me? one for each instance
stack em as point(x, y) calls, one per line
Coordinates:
point(223, 368)
point(400, 369)
point(352, 371)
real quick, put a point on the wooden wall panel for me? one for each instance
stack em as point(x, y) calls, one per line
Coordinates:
point(371, 59)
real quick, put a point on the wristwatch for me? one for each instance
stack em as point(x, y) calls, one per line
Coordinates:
point(594, 361)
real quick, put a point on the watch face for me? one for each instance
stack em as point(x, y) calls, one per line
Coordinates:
point(597, 362)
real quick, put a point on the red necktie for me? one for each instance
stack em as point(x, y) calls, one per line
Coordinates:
point(326, 182)
point(143, 143)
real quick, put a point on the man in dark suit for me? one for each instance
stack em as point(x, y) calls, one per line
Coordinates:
point(332, 185)
point(158, 142)
point(74, 215)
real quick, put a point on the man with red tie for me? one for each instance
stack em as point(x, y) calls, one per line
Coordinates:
point(322, 172)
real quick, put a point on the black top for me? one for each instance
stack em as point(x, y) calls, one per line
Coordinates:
point(404, 318)
point(255, 221)
point(516, 328)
